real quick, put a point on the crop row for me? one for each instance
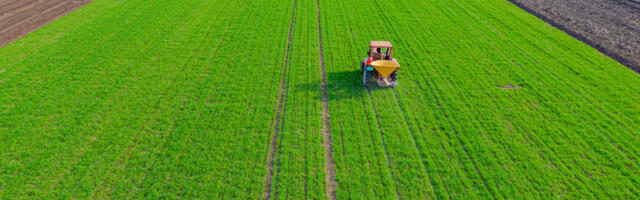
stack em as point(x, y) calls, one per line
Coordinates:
point(146, 99)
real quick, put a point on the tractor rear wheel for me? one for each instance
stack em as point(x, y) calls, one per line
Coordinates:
point(365, 78)
point(394, 76)
point(394, 79)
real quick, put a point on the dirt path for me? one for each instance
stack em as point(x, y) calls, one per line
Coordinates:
point(20, 17)
point(611, 26)
point(279, 116)
point(330, 164)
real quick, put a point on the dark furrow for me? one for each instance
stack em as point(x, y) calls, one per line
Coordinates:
point(279, 115)
point(13, 6)
point(26, 13)
point(330, 164)
point(32, 23)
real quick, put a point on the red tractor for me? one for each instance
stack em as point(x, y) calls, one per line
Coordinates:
point(380, 65)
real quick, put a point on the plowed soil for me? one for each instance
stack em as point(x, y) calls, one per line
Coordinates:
point(611, 26)
point(20, 17)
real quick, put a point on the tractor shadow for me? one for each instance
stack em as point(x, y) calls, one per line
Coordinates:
point(341, 85)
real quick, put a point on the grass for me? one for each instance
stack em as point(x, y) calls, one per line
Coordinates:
point(147, 99)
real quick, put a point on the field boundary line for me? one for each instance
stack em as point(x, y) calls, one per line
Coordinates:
point(620, 59)
point(273, 153)
point(327, 143)
point(615, 142)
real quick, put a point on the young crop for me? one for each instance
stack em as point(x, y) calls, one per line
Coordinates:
point(224, 100)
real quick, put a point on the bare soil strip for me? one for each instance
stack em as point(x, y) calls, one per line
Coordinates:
point(330, 165)
point(24, 11)
point(610, 26)
point(279, 116)
point(31, 15)
point(12, 6)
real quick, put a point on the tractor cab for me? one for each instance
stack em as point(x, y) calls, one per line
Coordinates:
point(380, 50)
point(380, 65)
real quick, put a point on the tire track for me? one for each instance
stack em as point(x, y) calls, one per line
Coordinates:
point(279, 116)
point(327, 143)
point(415, 143)
point(414, 138)
point(384, 145)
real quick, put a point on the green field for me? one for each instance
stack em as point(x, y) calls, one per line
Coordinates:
point(145, 99)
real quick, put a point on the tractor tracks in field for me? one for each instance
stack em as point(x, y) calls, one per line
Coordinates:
point(327, 143)
point(18, 18)
point(275, 146)
point(384, 144)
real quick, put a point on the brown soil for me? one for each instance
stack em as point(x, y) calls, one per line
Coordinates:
point(279, 115)
point(330, 165)
point(611, 26)
point(20, 17)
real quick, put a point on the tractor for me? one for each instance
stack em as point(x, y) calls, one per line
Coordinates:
point(380, 65)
